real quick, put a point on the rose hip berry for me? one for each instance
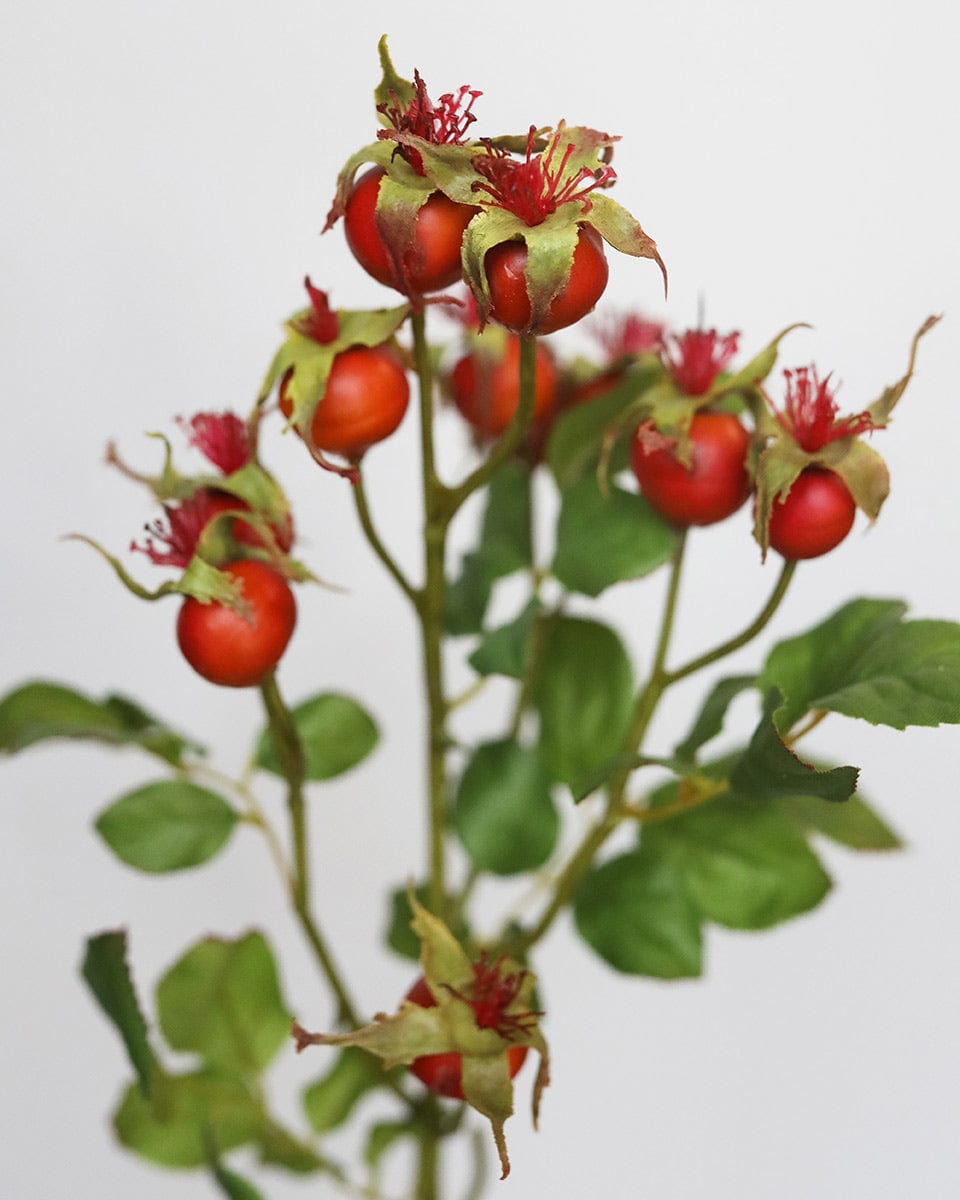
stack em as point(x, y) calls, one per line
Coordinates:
point(814, 517)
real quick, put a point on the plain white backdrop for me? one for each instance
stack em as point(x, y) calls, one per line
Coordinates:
point(166, 171)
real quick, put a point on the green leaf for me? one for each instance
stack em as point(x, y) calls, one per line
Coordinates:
point(40, 710)
point(330, 1101)
point(505, 533)
point(827, 659)
point(742, 864)
point(337, 734)
point(602, 540)
point(709, 721)
point(385, 1134)
point(466, 599)
point(635, 913)
point(583, 691)
point(107, 973)
point(222, 1000)
point(506, 650)
point(167, 826)
point(234, 1186)
point(768, 770)
point(577, 437)
point(853, 824)
point(196, 1107)
point(281, 1149)
point(504, 814)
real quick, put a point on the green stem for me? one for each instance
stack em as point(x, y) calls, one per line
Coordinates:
point(428, 1163)
point(366, 523)
point(751, 631)
point(511, 436)
point(430, 604)
point(289, 749)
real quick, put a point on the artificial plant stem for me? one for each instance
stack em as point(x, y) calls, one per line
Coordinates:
point(428, 1162)
point(289, 749)
point(379, 549)
point(511, 436)
point(430, 604)
point(755, 627)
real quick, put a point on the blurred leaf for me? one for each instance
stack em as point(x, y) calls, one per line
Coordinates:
point(383, 1135)
point(222, 1000)
point(503, 813)
point(506, 650)
point(635, 913)
point(853, 824)
point(195, 1107)
point(337, 734)
point(602, 540)
point(709, 721)
point(768, 770)
point(107, 973)
point(167, 826)
point(280, 1149)
point(742, 864)
point(232, 1185)
point(331, 1100)
point(504, 547)
point(40, 710)
point(583, 691)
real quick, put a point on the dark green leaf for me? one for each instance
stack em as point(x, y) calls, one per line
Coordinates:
point(635, 913)
point(383, 1135)
point(195, 1108)
point(337, 734)
point(853, 824)
point(506, 651)
point(166, 826)
point(864, 662)
point(232, 1185)
point(768, 770)
point(583, 691)
point(504, 814)
point(505, 533)
point(41, 710)
point(222, 1000)
point(744, 865)
point(709, 721)
point(107, 974)
point(331, 1100)
point(467, 597)
point(577, 437)
point(602, 540)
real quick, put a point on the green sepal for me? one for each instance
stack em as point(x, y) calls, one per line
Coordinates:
point(41, 710)
point(451, 1025)
point(621, 230)
point(885, 403)
point(166, 826)
point(746, 380)
point(106, 971)
point(391, 84)
point(399, 935)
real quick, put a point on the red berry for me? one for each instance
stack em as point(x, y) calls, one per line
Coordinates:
point(716, 483)
point(814, 517)
point(486, 387)
point(236, 649)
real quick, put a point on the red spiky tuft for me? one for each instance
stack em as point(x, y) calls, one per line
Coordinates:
point(695, 358)
point(492, 994)
point(810, 412)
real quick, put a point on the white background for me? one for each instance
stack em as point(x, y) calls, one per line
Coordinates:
point(167, 167)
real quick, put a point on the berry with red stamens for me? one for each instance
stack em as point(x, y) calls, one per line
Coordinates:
point(695, 358)
point(320, 322)
point(623, 335)
point(442, 124)
point(173, 543)
point(814, 517)
point(810, 412)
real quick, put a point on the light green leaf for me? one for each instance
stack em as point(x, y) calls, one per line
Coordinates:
point(167, 826)
point(331, 1100)
point(337, 734)
point(222, 1000)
